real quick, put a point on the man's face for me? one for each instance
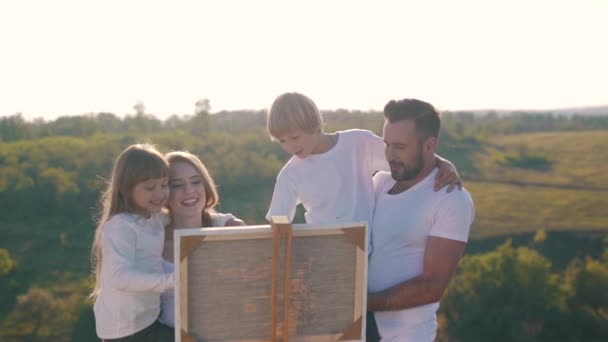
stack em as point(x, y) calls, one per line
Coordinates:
point(404, 150)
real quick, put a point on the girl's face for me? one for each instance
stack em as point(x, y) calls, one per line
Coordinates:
point(187, 197)
point(151, 195)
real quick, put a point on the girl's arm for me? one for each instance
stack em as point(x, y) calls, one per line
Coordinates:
point(118, 248)
point(233, 222)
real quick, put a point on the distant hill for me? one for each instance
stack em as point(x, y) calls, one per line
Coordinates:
point(598, 110)
point(523, 182)
point(589, 111)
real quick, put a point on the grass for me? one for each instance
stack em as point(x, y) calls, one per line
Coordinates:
point(513, 194)
point(577, 159)
point(503, 209)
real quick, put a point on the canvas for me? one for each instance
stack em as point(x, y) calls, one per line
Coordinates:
point(230, 283)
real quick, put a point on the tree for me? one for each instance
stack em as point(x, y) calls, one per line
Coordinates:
point(199, 123)
point(506, 295)
point(585, 283)
point(141, 122)
point(202, 105)
point(7, 265)
point(39, 316)
point(109, 123)
point(8, 285)
point(140, 108)
point(13, 128)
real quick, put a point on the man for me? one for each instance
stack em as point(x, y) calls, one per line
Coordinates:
point(418, 235)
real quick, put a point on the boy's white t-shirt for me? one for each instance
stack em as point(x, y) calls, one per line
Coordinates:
point(167, 298)
point(333, 186)
point(400, 228)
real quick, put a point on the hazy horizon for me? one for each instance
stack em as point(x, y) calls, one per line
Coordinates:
point(603, 108)
point(71, 57)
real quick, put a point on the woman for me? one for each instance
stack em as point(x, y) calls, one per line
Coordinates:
point(191, 205)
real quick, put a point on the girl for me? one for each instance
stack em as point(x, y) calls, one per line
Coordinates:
point(127, 249)
point(192, 199)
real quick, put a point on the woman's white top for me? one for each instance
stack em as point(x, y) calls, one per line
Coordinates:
point(167, 299)
point(132, 276)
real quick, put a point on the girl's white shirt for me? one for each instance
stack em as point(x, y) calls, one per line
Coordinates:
point(132, 276)
point(167, 299)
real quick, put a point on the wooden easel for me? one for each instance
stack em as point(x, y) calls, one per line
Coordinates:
point(281, 229)
point(273, 257)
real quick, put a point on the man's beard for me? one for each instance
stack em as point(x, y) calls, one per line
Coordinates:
point(408, 173)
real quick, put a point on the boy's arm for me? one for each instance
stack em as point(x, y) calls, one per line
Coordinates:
point(284, 198)
point(378, 153)
point(447, 175)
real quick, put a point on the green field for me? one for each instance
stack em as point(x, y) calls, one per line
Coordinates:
point(520, 183)
point(571, 194)
point(564, 187)
point(573, 159)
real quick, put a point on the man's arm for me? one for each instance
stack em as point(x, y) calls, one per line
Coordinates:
point(441, 258)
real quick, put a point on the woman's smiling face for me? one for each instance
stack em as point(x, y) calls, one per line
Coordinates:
point(187, 190)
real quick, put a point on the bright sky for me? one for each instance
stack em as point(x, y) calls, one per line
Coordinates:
point(71, 57)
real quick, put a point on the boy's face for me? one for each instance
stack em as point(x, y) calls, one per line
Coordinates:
point(299, 143)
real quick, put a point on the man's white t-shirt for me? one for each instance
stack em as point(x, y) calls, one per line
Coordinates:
point(400, 227)
point(333, 186)
point(167, 298)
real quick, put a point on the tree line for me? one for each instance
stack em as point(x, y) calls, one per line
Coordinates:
point(461, 123)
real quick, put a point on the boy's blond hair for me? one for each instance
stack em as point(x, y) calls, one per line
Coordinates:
point(291, 112)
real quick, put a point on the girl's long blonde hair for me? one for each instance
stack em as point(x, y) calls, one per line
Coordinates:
point(209, 184)
point(137, 163)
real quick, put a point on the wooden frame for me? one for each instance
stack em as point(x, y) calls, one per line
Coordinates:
point(226, 277)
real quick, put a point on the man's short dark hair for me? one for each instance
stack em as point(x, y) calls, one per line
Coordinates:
point(424, 115)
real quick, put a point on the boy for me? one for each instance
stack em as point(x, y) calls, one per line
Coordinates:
point(329, 173)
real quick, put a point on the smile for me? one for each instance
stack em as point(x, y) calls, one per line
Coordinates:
point(190, 202)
